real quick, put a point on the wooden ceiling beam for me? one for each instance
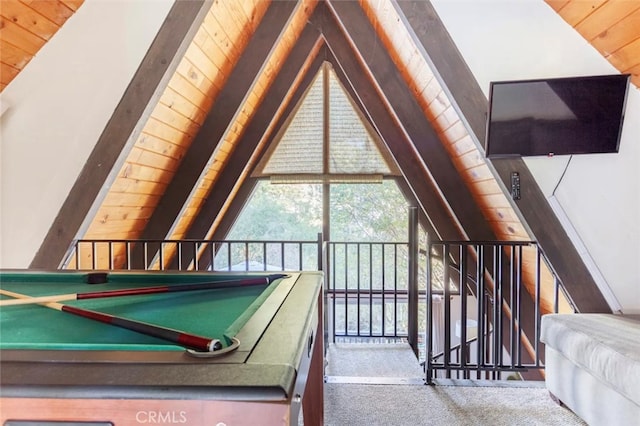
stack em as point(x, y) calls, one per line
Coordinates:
point(349, 72)
point(210, 210)
point(429, 197)
point(162, 58)
point(218, 120)
point(256, 129)
point(471, 103)
point(379, 65)
point(448, 65)
point(245, 191)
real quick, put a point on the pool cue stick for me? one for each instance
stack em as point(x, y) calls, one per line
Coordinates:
point(187, 340)
point(143, 290)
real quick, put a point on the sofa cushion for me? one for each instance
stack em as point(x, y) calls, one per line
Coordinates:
point(608, 346)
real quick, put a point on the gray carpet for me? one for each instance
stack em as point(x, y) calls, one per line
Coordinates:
point(452, 403)
point(372, 363)
point(368, 405)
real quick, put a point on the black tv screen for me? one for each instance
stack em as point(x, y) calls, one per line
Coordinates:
point(560, 116)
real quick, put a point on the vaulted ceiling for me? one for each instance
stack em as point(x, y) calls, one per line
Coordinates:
point(222, 79)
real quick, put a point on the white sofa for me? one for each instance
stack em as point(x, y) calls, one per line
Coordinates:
point(592, 364)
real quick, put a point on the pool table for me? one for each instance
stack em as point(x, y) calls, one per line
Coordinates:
point(58, 367)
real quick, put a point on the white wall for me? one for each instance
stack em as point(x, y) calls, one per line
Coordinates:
point(599, 196)
point(56, 109)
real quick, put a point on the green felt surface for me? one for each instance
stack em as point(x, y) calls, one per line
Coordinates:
point(218, 313)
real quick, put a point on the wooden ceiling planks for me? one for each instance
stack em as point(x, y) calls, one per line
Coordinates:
point(172, 126)
point(610, 26)
point(468, 158)
point(241, 120)
point(430, 95)
point(298, 70)
point(438, 109)
point(26, 26)
point(218, 121)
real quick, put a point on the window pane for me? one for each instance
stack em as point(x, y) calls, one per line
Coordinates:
point(301, 148)
point(368, 212)
point(281, 212)
point(351, 148)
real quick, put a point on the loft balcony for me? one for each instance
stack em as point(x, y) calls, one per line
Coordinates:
point(386, 292)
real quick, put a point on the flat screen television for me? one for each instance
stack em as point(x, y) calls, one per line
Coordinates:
point(559, 116)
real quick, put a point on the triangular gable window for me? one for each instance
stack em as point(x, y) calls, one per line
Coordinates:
point(300, 149)
point(327, 140)
point(351, 147)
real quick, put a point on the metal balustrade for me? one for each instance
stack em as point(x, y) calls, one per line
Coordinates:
point(375, 291)
point(368, 289)
point(181, 255)
point(485, 321)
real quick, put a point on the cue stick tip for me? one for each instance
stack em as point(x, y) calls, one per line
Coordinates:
point(271, 278)
point(97, 278)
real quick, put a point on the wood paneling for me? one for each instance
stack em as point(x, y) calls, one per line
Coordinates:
point(438, 109)
point(176, 119)
point(26, 26)
point(225, 121)
point(295, 72)
point(245, 115)
point(611, 26)
point(122, 131)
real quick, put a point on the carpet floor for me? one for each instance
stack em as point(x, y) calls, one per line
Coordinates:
point(369, 385)
point(397, 405)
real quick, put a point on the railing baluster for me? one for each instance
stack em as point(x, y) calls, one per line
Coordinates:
point(395, 287)
point(214, 252)
point(480, 307)
point(447, 311)
point(518, 308)
point(346, 289)
point(358, 284)
point(228, 245)
point(429, 319)
point(264, 255)
point(512, 317)
point(128, 248)
point(333, 262)
point(246, 256)
point(497, 275)
point(371, 288)
point(145, 255)
point(462, 287)
point(282, 256)
point(300, 266)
